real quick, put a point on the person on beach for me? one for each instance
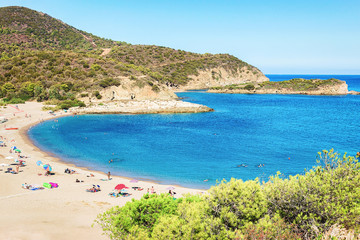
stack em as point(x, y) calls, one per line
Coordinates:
point(109, 176)
point(152, 189)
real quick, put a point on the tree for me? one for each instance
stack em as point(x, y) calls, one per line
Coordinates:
point(54, 92)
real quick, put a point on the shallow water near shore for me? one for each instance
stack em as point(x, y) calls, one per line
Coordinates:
point(283, 132)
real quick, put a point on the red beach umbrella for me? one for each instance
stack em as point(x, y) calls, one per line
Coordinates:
point(120, 186)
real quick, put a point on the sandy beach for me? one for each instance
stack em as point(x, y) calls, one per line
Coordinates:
point(66, 212)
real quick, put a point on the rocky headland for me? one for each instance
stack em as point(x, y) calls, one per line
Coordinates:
point(143, 107)
point(293, 86)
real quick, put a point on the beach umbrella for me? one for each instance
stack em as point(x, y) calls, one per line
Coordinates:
point(18, 150)
point(170, 188)
point(38, 163)
point(120, 186)
point(4, 165)
point(47, 167)
point(133, 181)
point(9, 157)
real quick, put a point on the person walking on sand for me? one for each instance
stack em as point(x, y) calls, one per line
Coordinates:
point(109, 176)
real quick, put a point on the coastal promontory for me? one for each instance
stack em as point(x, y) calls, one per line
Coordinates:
point(293, 86)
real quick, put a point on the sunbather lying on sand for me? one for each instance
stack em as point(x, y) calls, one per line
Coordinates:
point(94, 189)
point(118, 194)
point(69, 171)
point(31, 187)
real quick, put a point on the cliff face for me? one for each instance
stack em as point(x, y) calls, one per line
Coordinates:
point(222, 77)
point(131, 90)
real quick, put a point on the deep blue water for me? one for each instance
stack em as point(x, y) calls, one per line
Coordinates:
point(186, 149)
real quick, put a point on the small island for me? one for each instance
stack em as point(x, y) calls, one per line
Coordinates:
point(294, 86)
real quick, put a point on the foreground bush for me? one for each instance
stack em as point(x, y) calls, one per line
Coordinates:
point(325, 195)
point(308, 206)
point(137, 216)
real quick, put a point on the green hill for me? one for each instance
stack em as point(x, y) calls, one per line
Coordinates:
point(38, 50)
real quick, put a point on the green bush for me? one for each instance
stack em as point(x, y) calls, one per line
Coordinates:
point(269, 228)
point(70, 103)
point(95, 67)
point(14, 100)
point(249, 87)
point(109, 82)
point(237, 203)
point(325, 195)
point(97, 95)
point(122, 222)
point(155, 88)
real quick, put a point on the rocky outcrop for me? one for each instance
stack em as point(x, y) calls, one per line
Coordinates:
point(131, 90)
point(222, 77)
point(143, 107)
point(336, 88)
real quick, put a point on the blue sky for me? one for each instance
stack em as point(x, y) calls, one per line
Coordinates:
point(277, 36)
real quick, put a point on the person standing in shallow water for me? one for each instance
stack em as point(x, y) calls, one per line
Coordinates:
point(109, 176)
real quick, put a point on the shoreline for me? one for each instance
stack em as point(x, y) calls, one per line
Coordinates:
point(26, 138)
point(70, 206)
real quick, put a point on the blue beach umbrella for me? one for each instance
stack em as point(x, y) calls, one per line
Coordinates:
point(38, 163)
point(47, 167)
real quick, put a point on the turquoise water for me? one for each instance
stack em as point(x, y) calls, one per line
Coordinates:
point(186, 149)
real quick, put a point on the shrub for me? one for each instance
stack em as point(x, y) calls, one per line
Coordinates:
point(70, 103)
point(95, 67)
point(143, 214)
point(155, 88)
point(249, 87)
point(236, 203)
point(14, 100)
point(109, 82)
point(325, 195)
point(269, 228)
point(97, 95)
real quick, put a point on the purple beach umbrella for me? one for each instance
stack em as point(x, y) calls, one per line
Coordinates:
point(170, 188)
point(133, 181)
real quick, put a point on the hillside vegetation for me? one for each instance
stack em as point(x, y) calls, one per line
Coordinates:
point(323, 203)
point(41, 52)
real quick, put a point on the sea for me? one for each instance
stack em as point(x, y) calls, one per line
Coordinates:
point(248, 136)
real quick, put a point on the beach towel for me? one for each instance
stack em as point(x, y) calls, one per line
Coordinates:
point(47, 185)
point(32, 187)
point(54, 185)
point(105, 179)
